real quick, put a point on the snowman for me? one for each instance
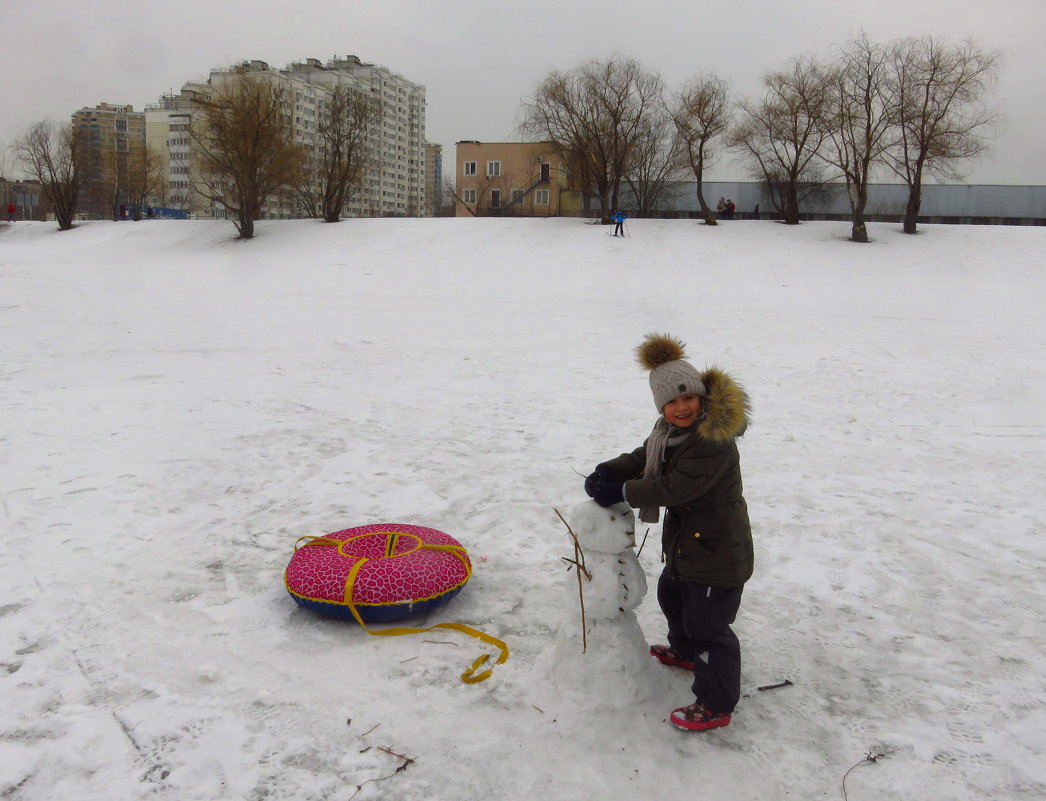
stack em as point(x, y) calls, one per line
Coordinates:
point(611, 652)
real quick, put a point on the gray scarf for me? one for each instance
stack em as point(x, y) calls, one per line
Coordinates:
point(660, 439)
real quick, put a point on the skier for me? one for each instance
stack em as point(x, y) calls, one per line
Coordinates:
point(689, 464)
point(11, 212)
point(619, 222)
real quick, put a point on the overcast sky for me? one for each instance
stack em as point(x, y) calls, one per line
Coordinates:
point(479, 58)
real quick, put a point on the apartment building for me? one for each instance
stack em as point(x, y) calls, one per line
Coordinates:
point(433, 178)
point(522, 179)
point(114, 137)
point(167, 133)
point(393, 183)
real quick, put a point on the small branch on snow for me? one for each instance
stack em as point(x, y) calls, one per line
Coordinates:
point(780, 684)
point(869, 759)
point(407, 762)
point(372, 728)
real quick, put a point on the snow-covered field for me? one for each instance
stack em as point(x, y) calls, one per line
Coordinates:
point(177, 408)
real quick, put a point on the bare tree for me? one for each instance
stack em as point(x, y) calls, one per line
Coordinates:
point(245, 139)
point(335, 167)
point(146, 177)
point(782, 134)
point(595, 114)
point(482, 196)
point(701, 116)
point(860, 121)
point(655, 161)
point(942, 114)
point(456, 195)
point(54, 155)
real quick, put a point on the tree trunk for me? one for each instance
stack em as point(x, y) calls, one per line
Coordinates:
point(604, 207)
point(705, 211)
point(63, 202)
point(245, 224)
point(911, 211)
point(858, 231)
point(791, 204)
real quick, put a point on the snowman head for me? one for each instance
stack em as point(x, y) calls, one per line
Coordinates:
point(601, 529)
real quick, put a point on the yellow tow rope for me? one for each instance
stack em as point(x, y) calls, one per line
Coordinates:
point(470, 676)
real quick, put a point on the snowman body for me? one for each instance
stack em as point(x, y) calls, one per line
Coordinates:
point(616, 583)
point(610, 657)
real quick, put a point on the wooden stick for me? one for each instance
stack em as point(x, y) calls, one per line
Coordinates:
point(579, 562)
point(785, 683)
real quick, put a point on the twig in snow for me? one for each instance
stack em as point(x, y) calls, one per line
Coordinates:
point(780, 684)
point(869, 759)
point(442, 642)
point(407, 762)
point(579, 563)
point(372, 728)
point(408, 660)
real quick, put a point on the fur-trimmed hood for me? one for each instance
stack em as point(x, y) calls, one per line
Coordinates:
point(727, 410)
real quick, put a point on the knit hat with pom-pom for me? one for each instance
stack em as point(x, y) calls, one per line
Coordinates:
point(670, 375)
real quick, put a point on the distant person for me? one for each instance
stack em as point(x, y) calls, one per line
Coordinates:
point(11, 212)
point(731, 207)
point(720, 208)
point(755, 212)
point(148, 212)
point(619, 222)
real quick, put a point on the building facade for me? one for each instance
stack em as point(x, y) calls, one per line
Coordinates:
point(393, 182)
point(521, 179)
point(433, 178)
point(114, 138)
point(26, 196)
point(167, 134)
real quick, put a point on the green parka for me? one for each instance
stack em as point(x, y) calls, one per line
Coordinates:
point(706, 535)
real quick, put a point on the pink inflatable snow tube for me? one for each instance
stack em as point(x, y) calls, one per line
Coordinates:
point(382, 572)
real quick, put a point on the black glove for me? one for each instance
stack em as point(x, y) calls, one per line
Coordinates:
point(601, 473)
point(607, 493)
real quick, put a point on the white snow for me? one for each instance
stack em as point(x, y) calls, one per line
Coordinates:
point(177, 408)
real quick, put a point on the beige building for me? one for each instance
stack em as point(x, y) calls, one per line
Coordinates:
point(520, 179)
point(167, 133)
point(115, 143)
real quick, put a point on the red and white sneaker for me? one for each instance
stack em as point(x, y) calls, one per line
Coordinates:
point(696, 718)
point(666, 655)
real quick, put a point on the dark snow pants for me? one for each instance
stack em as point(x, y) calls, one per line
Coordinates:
point(699, 619)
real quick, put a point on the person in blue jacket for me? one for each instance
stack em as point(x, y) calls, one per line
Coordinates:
point(619, 222)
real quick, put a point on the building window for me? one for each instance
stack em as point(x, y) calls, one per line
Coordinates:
point(495, 198)
point(517, 195)
point(493, 168)
point(470, 168)
point(541, 197)
point(468, 195)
